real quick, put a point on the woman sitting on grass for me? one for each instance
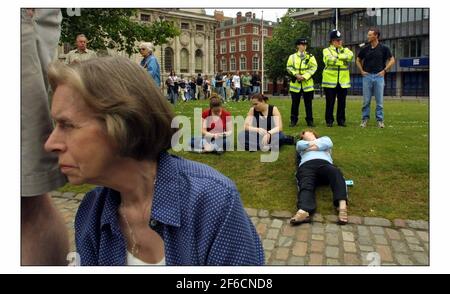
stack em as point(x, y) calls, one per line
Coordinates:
point(263, 127)
point(316, 167)
point(217, 128)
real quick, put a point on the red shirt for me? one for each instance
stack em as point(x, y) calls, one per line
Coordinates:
point(213, 121)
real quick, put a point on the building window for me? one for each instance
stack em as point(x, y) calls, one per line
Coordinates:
point(398, 15)
point(232, 46)
point(223, 47)
point(168, 59)
point(255, 30)
point(222, 34)
point(184, 26)
point(232, 64)
point(264, 32)
point(384, 15)
point(198, 61)
point(410, 14)
point(223, 64)
point(412, 47)
point(426, 13)
point(255, 44)
point(242, 45)
point(404, 15)
point(391, 16)
point(232, 32)
point(199, 28)
point(242, 30)
point(418, 13)
point(145, 17)
point(255, 63)
point(243, 63)
point(184, 60)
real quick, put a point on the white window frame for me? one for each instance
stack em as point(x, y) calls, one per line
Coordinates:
point(223, 47)
point(255, 45)
point(255, 30)
point(242, 45)
point(240, 63)
point(223, 64)
point(233, 64)
point(232, 46)
point(255, 68)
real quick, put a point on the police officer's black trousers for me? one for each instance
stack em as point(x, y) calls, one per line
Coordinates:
point(307, 99)
point(314, 173)
point(330, 96)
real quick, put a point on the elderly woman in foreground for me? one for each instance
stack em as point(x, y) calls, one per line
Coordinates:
point(152, 208)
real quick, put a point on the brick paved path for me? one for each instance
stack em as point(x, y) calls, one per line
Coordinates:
point(364, 241)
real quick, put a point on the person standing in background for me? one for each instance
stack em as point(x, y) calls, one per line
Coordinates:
point(81, 53)
point(336, 78)
point(374, 61)
point(44, 239)
point(149, 62)
point(301, 66)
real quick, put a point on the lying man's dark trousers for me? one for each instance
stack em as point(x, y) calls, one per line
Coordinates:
point(314, 173)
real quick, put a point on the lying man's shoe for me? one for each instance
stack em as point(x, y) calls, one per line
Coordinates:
point(300, 217)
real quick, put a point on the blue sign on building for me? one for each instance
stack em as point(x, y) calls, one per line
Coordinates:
point(420, 62)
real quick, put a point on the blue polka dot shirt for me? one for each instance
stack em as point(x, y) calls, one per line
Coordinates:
point(196, 210)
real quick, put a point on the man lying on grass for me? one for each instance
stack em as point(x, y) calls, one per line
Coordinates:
point(315, 168)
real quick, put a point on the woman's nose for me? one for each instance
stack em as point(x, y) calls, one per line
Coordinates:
point(53, 143)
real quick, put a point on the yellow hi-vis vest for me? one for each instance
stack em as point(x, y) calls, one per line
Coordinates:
point(336, 67)
point(306, 67)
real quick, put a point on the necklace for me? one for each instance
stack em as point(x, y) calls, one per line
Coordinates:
point(134, 245)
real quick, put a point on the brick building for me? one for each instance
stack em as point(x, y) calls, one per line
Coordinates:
point(238, 43)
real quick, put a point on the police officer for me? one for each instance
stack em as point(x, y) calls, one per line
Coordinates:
point(301, 66)
point(336, 78)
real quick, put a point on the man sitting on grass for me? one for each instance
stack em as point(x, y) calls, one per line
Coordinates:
point(316, 167)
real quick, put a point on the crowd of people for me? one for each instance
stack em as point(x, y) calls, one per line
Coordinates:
point(228, 86)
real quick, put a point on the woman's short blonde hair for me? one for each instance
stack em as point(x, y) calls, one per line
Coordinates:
point(123, 95)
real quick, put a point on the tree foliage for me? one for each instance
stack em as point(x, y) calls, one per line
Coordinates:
point(114, 28)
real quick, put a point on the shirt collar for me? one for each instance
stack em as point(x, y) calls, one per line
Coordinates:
point(166, 199)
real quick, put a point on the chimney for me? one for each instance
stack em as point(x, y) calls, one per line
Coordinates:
point(238, 17)
point(248, 14)
point(218, 15)
point(254, 15)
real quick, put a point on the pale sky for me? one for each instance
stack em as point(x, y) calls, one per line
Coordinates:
point(269, 13)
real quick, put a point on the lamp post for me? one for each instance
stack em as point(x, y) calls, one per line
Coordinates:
point(262, 52)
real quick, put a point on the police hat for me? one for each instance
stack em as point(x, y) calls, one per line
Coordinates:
point(335, 35)
point(301, 41)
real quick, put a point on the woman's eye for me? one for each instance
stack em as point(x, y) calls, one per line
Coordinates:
point(66, 126)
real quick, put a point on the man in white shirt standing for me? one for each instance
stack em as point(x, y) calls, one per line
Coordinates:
point(236, 86)
point(81, 53)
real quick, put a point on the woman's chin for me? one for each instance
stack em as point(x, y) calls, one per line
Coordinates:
point(73, 180)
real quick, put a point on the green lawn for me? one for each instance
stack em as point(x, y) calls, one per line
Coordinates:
point(389, 167)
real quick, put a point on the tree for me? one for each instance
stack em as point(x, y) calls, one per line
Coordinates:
point(114, 28)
